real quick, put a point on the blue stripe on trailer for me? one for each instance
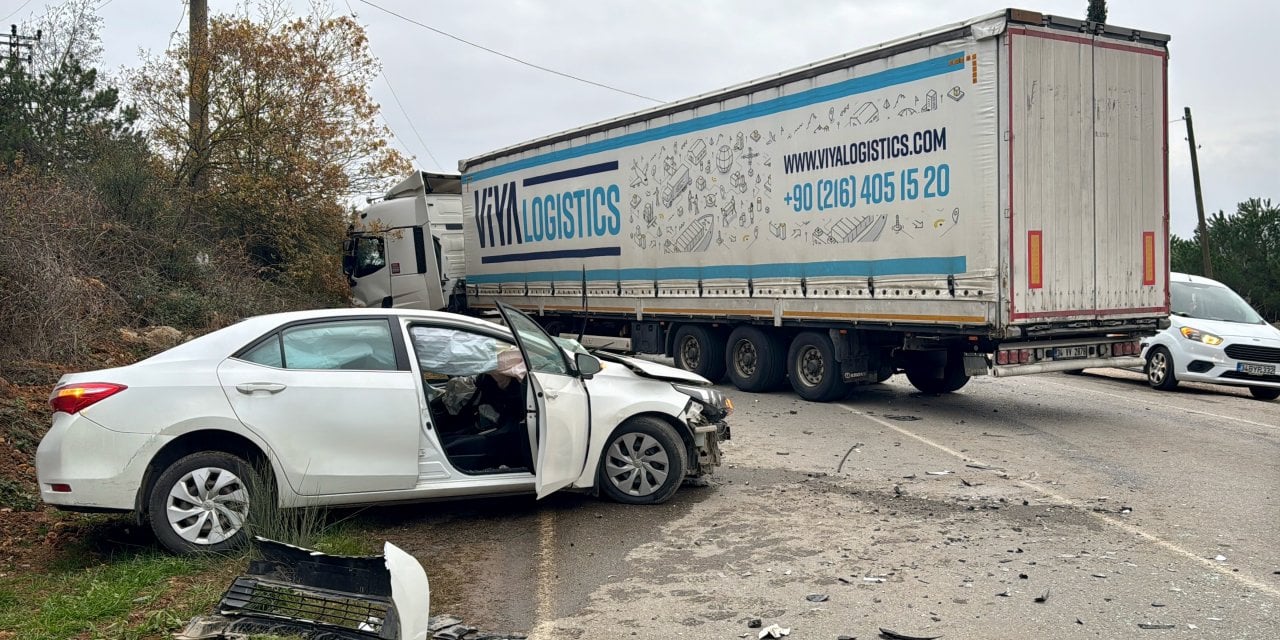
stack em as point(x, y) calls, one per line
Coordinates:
point(908, 73)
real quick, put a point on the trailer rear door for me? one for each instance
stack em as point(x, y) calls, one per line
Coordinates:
point(1088, 234)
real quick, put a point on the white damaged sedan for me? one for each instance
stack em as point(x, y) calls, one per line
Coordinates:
point(347, 407)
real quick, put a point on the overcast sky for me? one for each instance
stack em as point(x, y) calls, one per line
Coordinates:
point(464, 101)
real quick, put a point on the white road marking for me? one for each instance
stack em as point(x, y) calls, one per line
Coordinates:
point(1162, 406)
point(1065, 501)
point(544, 613)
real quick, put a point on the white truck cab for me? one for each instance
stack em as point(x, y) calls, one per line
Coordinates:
point(388, 258)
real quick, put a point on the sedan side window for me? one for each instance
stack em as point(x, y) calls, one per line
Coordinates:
point(266, 353)
point(362, 345)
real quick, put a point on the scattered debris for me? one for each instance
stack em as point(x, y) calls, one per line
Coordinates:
point(774, 631)
point(1157, 604)
point(291, 591)
point(816, 597)
point(894, 635)
point(1124, 511)
point(1220, 558)
point(1044, 597)
point(1099, 575)
point(783, 453)
point(903, 418)
point(1079, 621)
point(755, 623)
point(937, 473)
point(1003, 594)
point(1146, 625)
point(978, 465)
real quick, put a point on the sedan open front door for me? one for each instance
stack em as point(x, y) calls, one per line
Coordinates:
point(560, 408)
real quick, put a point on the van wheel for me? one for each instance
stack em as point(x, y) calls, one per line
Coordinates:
point(1159, 369)
point(756, 361)
point(700, 350)
point(812, 366)
point(931, 379)
point(201, 502)
point(1265, 393)
point(644, 462)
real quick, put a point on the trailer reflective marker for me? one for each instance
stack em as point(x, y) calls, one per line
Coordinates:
point(1035, 259)
point(1148, 258)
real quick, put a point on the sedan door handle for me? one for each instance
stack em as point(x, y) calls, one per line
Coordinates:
point(269, 387)
point(551, 396)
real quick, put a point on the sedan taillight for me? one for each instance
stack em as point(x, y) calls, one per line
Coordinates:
point(78, 396)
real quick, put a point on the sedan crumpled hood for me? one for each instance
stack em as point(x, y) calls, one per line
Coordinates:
point(655, 370)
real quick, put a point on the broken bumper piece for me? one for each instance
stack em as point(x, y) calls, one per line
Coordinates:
point(298, 593)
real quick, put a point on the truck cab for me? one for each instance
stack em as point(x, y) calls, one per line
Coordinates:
point(405, 250)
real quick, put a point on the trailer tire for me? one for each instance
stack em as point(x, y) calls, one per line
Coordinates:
point(813, 368)
point(755, 360)
point(701, 350)
point(931, 379)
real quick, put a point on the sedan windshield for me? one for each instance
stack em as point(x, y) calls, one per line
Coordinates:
point(1210, 302)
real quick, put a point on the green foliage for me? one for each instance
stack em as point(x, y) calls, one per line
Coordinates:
point(60, 118)
point(1097, 11)
point(1245, 251)
point(95, 600)
point(18, 496)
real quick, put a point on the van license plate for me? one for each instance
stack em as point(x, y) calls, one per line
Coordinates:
point(1256, 369)
point(1070, 353)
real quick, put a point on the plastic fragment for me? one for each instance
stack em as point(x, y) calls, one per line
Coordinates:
point(816, 597)
point(889, 633)
point(1146, 625)
point(1044, 597)
point(774, 631)
point(937, 473)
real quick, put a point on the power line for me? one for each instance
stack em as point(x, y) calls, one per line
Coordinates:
point(411, 125)
point(402, 110)
point(16, 11)
point(510, 57)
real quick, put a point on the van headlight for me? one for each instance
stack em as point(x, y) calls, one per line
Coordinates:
point(715, 405)
point(1200, 336)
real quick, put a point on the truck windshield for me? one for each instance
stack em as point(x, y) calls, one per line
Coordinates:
point(1210, 302)
point(364, 255)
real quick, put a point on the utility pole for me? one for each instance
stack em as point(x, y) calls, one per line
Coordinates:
point(1195, 179)
point(198, 94)
point(16, 43)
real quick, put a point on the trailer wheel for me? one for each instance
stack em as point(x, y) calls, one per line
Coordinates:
point(700, 350)
point(932, 379)
point(813, 368)
point(755, 359)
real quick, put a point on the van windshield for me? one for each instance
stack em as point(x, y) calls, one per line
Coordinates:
point(1210, 302)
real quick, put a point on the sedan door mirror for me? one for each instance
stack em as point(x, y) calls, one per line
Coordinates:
point(588, 365)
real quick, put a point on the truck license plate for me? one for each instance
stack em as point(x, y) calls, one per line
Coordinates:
point(1070, 353)
point(1256, 369)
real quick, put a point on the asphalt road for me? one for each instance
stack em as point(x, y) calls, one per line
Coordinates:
point(1117, 505)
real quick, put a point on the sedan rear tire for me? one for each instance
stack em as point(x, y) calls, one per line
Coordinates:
point(644, 462)
point(1265, 393)
point(200, 503)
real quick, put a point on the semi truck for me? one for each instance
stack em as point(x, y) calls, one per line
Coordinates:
point(985, 198)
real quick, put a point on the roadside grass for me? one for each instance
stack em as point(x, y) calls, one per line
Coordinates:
point(132, 590)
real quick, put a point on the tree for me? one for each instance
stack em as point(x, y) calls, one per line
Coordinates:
point(293, 133)
point(57, 119)
point(1245, 249)
point(1097, 11)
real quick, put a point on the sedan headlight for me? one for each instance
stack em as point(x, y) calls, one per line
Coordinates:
point(715, 405)
point(1200, 336)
